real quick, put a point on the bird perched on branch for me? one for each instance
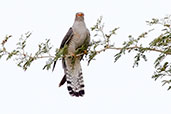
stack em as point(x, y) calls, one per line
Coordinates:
point(77, 36)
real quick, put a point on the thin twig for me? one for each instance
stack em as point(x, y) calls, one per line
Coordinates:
point(49, 56)
point(112, 48)
point(135, 47)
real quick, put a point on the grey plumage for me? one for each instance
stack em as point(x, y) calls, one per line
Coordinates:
point(76, 36)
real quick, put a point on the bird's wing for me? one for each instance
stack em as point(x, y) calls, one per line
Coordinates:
point(65, 41)
point(67, 37)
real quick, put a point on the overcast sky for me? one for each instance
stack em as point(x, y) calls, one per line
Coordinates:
point(111, 88)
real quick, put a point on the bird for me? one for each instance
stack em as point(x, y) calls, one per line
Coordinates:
point(77, 36)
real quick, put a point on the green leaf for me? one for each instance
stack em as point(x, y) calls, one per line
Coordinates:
point(14, 52)
point(169, 88)
point(48, 64)
point(28, 63)
point(91, 56)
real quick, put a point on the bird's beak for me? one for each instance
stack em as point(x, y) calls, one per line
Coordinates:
point(80, 14)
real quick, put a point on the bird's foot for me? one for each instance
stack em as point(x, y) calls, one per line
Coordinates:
point(85, 51)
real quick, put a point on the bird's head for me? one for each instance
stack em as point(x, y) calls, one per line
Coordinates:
point(79, 16)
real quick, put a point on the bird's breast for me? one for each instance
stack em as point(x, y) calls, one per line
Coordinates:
point(79, 37)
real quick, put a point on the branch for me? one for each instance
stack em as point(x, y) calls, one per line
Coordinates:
point(161, 44)
point(135, 47)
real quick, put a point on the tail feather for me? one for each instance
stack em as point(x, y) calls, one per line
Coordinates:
point(73, 77)
point(54, 64)
point(62, 81)
point(75, 85)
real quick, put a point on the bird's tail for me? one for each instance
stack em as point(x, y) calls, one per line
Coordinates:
point(74, 78)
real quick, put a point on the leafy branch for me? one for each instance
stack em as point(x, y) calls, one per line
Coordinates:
point(160, 44)
point(23, 58)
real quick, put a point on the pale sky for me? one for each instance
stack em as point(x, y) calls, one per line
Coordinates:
point(111, 88)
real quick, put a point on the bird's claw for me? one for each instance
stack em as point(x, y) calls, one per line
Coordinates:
point(85, 51)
